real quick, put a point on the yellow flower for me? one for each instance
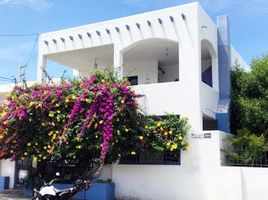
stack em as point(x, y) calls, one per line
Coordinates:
point(78, 147)
point(1, 136)
point(96, 125)
point(29, 144)
point(53, 124)
point(174, 146)
point(43, 124)
point(51, 114)
point(58, 105)
point(88, 100)
point(73, 97)
point(126, 130)
point(101, 122)
point(54, 136)
point(67, 101)
point(118, 132)
point(58, 111)
point(45, 147)
point(122, 101)
point(141, 137)
point(25, 153)
point(31, 104)
point(44, 157)
point(180, 137)
point(165, 133)
point(146, 127)
point(170, 132)
point(102, 81)
point(188, 148)
point(2, 114)
point(40, 105)
point(133, 153)
point(158, 124)
point(34, 159)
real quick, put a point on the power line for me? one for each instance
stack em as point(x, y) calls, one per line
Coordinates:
point(19, 35)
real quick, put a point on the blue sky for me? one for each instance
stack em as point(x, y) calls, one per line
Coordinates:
point(249, 24)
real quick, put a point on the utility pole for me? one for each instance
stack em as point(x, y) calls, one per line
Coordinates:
point(22, 73)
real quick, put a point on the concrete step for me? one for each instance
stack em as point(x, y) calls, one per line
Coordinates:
point(12, 191)
point(12, 197)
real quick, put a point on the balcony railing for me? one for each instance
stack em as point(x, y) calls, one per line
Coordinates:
point(246, 157)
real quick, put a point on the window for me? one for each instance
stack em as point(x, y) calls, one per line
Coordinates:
point(165, 158)
point(133, 80)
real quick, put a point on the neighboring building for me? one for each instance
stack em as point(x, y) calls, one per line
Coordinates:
point(180, 60)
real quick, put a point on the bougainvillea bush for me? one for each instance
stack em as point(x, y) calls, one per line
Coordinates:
point(80, 122)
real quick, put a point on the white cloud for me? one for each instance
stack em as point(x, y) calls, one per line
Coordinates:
point(32, 4)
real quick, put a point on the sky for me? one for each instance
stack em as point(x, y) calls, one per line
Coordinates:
point(248, 21)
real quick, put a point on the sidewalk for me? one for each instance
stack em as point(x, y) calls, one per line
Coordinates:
point(11, 197)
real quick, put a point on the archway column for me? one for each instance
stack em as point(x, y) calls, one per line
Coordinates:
point(118, 63)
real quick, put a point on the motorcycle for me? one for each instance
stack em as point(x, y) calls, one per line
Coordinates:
point(49, 192)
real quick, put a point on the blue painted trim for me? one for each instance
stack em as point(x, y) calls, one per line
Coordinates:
point(98, 191)
point(223, 121)
point(4, 182)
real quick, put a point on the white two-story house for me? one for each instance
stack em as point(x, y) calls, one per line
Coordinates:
point(180, 60)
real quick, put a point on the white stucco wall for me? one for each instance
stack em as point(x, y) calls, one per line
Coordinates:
point(200, 176)
point(8, 169)
point(236, 59)
point(145, 70)
point(171, 73)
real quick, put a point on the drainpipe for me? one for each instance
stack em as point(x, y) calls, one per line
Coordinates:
point(224, 63)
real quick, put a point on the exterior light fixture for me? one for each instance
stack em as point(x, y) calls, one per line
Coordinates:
point(88, 34)
point(183, 16)
point(80, 36)
point(128, 27)
point(95, 63)
point(54, 40)
point(107, 30)
point(149, 23)
point(62, 39)
point(46, 42)
point(203, 26)
point(160, 21)
point(138, 25)
point(71, 37)
point(167, 52)
point(98, 33)
point(171, 18)
point(117, 29)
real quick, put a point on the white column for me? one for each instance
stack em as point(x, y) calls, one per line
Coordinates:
point(118, 63)
point(41, 66)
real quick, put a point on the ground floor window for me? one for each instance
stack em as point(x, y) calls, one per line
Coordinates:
point(165, 158)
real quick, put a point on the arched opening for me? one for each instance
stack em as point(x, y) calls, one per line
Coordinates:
point(151, 61)
point(207, 63)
